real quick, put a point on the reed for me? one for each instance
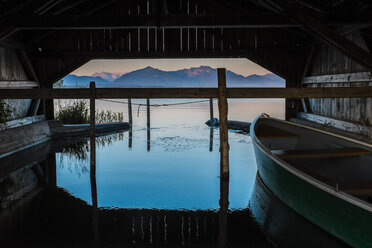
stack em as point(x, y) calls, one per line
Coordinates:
point(78, 113)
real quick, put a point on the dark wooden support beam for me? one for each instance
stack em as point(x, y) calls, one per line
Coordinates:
point(291, 104)
point(318, 29)
point(48, 109)
point(50, 77)
point(152, 21)
point(223, 112)
point(120, 93)
point(305, 101)
point(67, 7)
point(27, 65)
point(34, 107)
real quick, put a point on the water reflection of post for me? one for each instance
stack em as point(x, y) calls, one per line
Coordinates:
point(93, 183)
point(130, 120)
point(211, 139)
point(222, 240)
point(148, 124)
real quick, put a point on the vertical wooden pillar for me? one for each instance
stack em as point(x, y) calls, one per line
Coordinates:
point(290, 104)
point(93, 182)
point(211, 109)
point(93, 141)
point(48, 105)
point(148, 124)
point(223, 112)
point(130, 120)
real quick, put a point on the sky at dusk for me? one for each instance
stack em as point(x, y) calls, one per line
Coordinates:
point(244, 67)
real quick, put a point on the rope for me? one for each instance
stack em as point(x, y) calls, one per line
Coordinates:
point(154, 105)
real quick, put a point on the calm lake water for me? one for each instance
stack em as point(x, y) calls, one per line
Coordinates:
point(179, 171)
point(159, 192)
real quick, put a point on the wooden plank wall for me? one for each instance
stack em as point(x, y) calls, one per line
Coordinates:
point(11, 69)
point(328, 61)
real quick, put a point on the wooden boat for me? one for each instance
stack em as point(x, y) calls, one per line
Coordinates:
point(324, 177)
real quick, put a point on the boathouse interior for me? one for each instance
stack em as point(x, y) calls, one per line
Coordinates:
point(311, 44)
point(322, 48)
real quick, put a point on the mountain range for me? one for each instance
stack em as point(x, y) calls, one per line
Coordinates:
point(203, 76)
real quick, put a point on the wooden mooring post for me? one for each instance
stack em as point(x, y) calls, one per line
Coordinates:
point(148, 124)
point(211, 109)
point(93, 183)
point(223, 111)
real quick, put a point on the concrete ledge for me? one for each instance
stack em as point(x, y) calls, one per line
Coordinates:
point(22, 121)
point(22, 137)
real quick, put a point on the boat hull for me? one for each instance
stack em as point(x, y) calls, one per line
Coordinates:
point(346, 221)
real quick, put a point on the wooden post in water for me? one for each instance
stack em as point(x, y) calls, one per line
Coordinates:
point(93, 183)
point(148, 124)
point(211, 109)
point(223, 111)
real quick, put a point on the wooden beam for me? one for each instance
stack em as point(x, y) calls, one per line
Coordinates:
point(339, 124)
point(294, 93)
point(18, 84)
point(27, 65)
point(339, 78)
point(319, 29)
point(76, 22)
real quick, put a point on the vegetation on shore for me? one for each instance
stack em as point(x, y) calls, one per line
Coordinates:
point(5, 111)
point(78, 113)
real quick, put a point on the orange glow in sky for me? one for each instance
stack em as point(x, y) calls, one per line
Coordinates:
point(244, 67)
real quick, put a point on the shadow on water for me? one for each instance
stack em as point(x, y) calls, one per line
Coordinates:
point(51, 217)
point(282, 225)
point(35, 212)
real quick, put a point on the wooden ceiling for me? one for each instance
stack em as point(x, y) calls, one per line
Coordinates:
point(58, 36)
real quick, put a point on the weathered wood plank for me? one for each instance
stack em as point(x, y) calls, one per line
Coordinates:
point(18, 84)
point(335, 92)
point(339, 78)
point(339, 124)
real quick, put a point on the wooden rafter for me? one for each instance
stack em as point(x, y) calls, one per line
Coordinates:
point(345, 46)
